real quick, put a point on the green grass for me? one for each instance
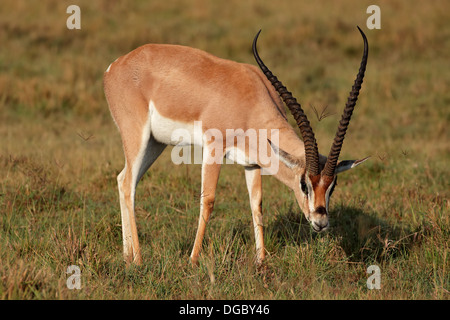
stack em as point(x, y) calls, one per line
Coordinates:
point(60, 154)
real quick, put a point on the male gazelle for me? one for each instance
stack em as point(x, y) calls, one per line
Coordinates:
point(158, 88)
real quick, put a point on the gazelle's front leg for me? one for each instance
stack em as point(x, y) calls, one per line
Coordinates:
point(254, 186)
point(210, 176)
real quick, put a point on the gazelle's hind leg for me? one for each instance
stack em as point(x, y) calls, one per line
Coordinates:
point(132, 114)
point(135, 167)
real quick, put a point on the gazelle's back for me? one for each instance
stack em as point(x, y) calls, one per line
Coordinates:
point(182, 83)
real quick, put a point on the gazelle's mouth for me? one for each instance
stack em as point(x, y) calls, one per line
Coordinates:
point(318, 227)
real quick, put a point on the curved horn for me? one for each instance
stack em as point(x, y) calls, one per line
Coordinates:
point(330, 166)
point(311, 151)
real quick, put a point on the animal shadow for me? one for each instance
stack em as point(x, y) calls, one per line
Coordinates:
point(363, 236)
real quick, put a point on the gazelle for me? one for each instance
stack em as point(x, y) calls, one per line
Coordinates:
point(158, 88)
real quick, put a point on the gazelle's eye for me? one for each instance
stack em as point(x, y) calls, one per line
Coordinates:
point(303, 186)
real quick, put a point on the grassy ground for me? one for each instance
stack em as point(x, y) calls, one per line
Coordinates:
point(60, 153)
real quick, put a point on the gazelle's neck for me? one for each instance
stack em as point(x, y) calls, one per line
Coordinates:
point(286, 176)
point(287, 140)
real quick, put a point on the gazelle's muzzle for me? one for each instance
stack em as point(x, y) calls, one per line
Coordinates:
point(319, 219)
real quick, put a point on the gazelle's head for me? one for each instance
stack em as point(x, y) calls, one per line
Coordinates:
point(316, 175)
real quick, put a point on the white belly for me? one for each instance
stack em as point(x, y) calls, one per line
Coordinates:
point(172, 132)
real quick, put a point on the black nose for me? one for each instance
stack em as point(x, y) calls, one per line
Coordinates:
point(321, 210)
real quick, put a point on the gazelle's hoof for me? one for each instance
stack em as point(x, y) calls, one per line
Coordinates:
point(194, 261)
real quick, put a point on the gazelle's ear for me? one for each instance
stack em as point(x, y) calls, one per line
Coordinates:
point(285, 157)
point(345, 165)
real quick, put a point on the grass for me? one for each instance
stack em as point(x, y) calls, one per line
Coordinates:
point(61, 153)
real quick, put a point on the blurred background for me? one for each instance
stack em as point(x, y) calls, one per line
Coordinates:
point(60, 151)
point(49, 72)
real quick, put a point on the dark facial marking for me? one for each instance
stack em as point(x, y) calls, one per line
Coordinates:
point(332, 188)
point(321, 210)
point(303, 185)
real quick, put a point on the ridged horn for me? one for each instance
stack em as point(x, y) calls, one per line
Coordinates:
point(311, 151)
point(330, 166)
